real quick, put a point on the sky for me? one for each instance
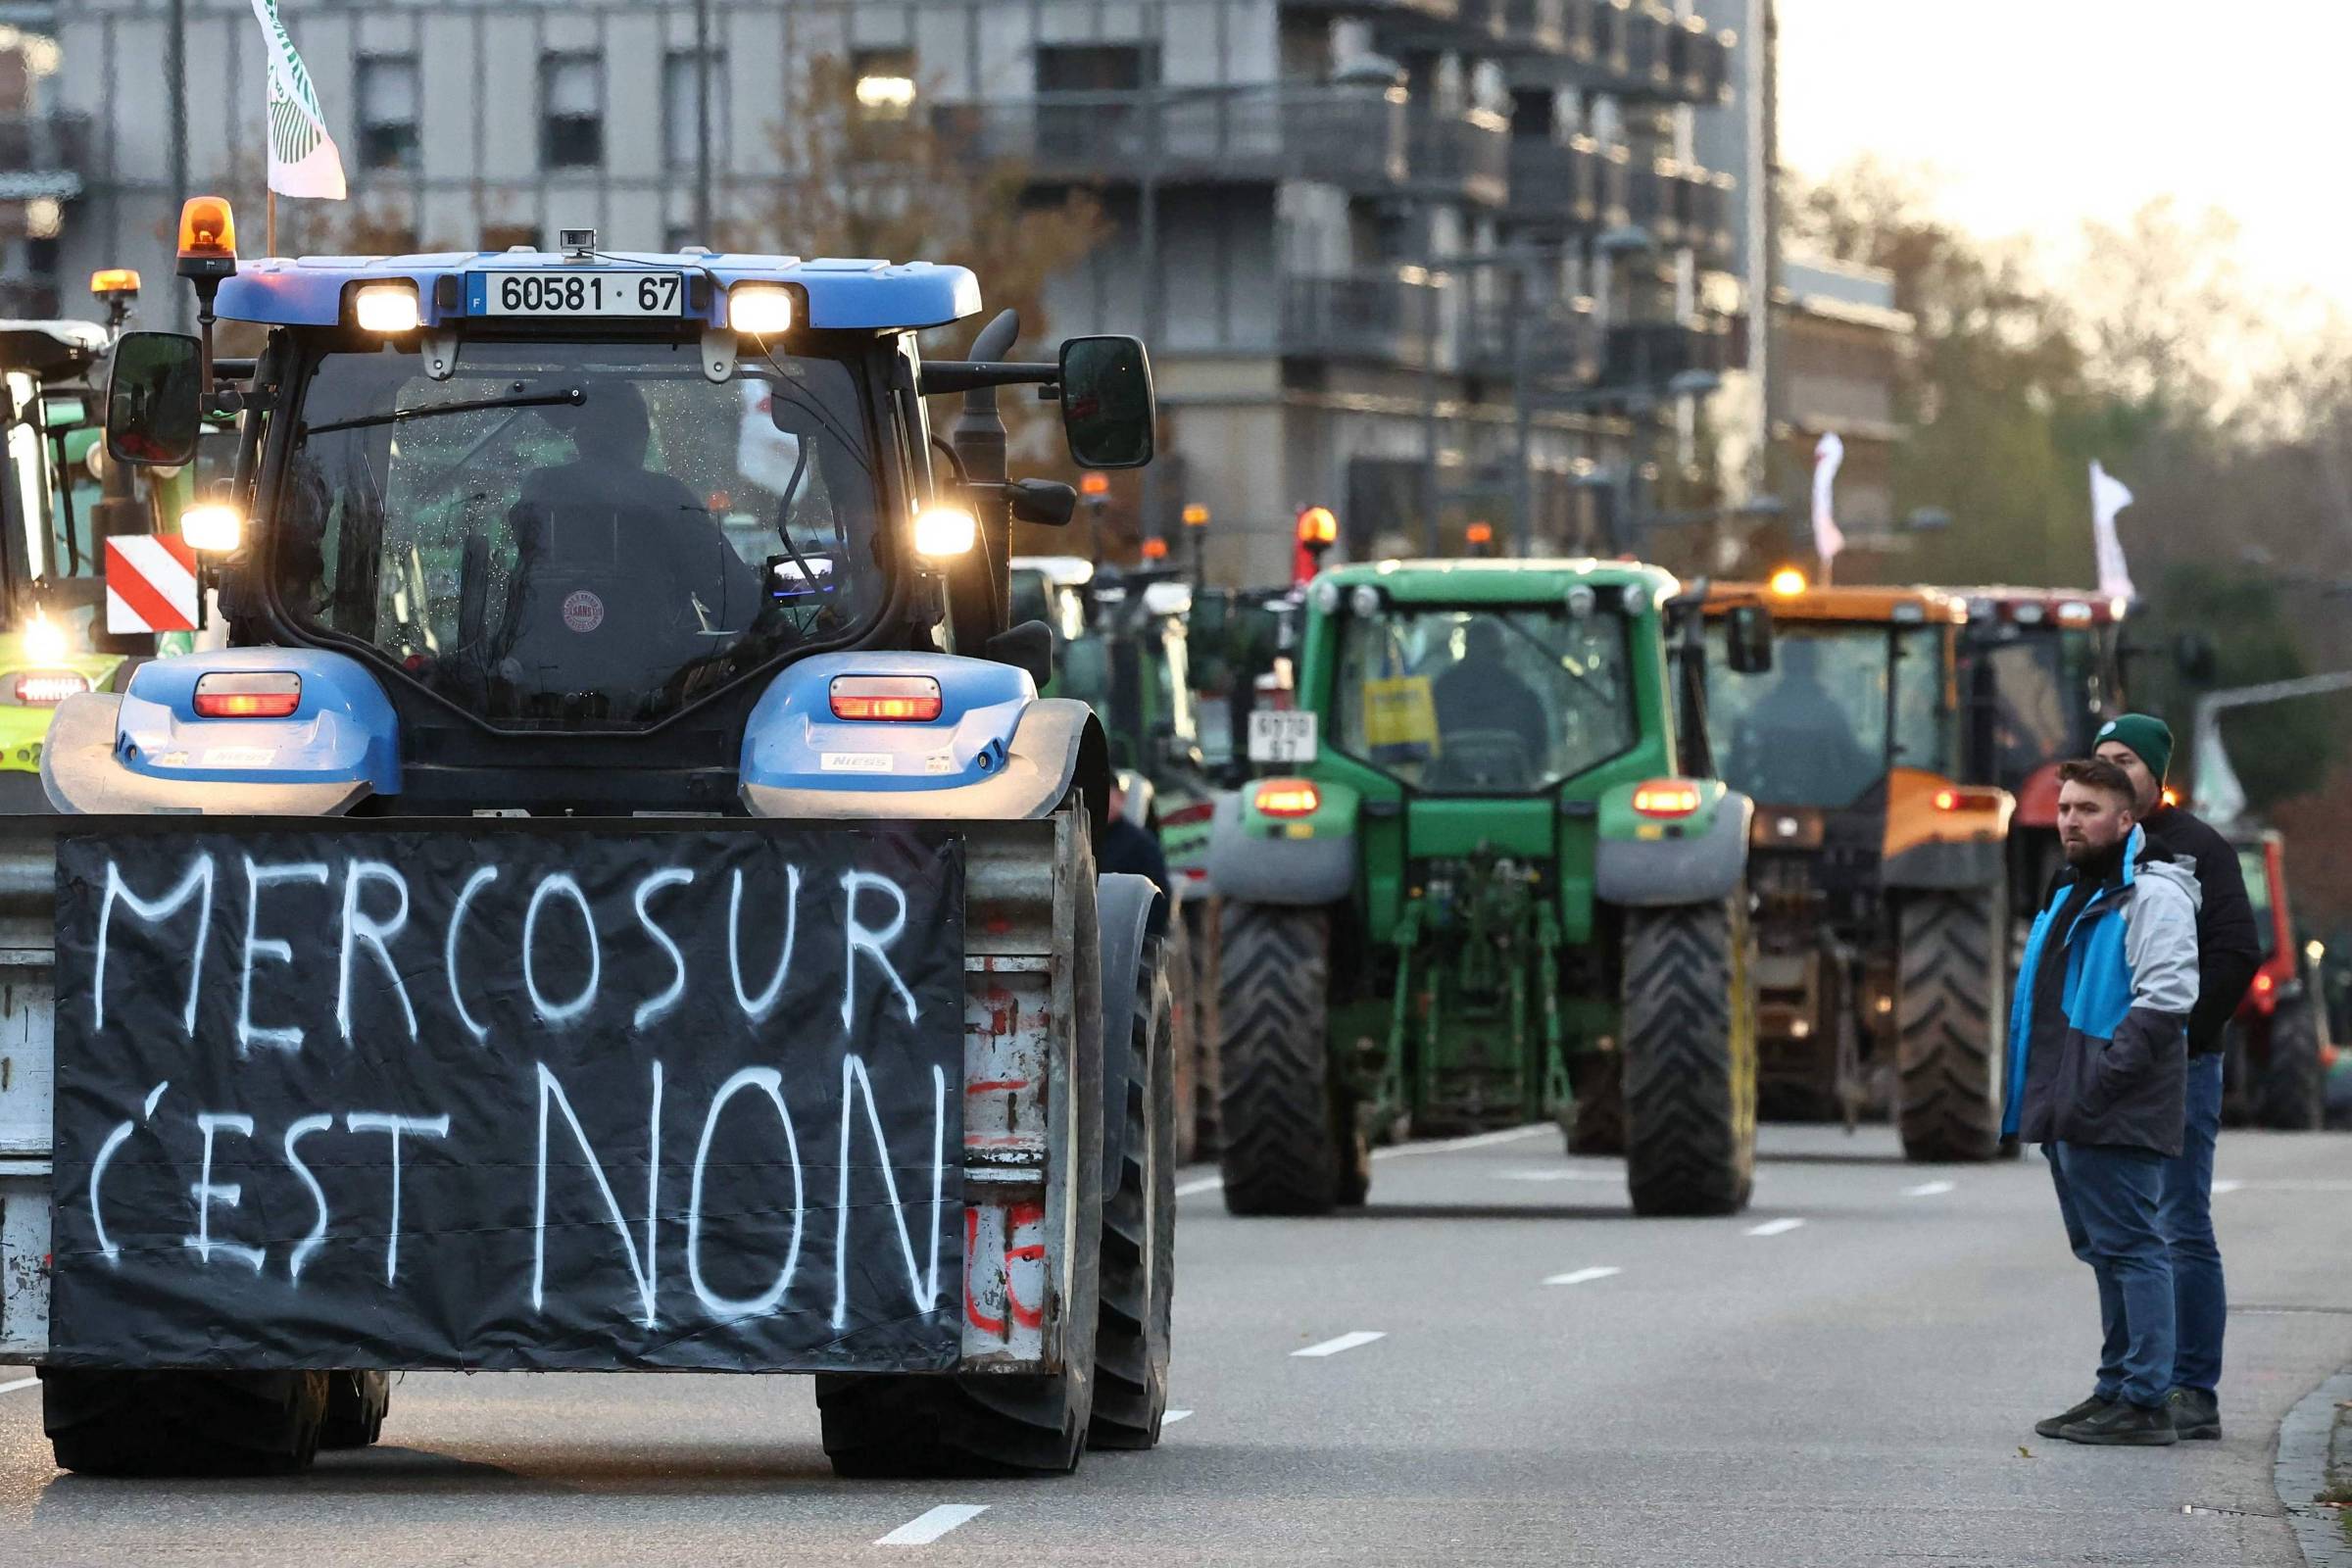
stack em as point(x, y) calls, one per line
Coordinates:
point(2035, 114)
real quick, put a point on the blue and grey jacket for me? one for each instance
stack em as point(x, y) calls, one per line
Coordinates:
point(2101, 1058)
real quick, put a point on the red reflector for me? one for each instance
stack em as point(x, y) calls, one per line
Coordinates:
point(901, 699)
point(1666, 797)
point(271, 694)
point(1187, 816)
point(1289, 797)
point(2263, 984)
point(46, 688)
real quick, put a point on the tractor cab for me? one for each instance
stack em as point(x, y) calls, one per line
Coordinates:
point(2278, 1049)
point(2041, 669)
point(1867, 850)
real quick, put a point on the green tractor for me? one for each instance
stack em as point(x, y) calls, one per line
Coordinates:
point(1492, 883)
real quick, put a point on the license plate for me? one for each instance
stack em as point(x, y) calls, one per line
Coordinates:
point(1278, 735)
point(560, 292)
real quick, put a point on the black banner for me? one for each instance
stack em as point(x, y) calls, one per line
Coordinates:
point(528, 1097)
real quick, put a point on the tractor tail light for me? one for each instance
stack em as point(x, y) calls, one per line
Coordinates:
point(2265, 983)
point(1289, 797)
point(1954, 800)
point(46, 688)
point(1666, 797)
point(886, 699)
point(265, 694)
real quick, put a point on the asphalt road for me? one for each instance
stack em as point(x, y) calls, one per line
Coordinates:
point(1513, 1370)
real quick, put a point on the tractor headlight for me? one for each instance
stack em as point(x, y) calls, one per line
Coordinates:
point(1633, 599)
point(1364, 601)
point(1326, 596)
point(945, 532)
point(212, 526)
point(762, 310)
point(387, 308)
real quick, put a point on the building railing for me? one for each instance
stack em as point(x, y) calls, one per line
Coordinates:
point(1466, 155)
point(1439, 10)
point(1650, 354)
point(1385, 318)
point(1554, 180)
point(1559, 341)
point(1346, 134)
point(43, 154)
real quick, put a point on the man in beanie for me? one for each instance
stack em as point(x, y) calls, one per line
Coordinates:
point(2229, 950)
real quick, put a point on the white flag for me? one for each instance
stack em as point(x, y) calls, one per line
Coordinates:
point(2107, 498)
point(1828, 454)
point(303, 161)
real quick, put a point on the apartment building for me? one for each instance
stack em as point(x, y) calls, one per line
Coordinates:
point(1429, 262)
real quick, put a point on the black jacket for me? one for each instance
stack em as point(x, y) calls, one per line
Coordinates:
point(2230, 946)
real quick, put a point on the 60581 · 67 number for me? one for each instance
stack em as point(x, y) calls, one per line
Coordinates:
point(588, 294)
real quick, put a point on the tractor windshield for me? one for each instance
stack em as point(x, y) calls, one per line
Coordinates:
point(580, 534)
point(1841, 704)
point(1484, 701)
point(2044, 694)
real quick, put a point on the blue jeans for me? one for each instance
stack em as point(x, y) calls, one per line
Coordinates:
point(2200, 1301)
point(2109, 1197)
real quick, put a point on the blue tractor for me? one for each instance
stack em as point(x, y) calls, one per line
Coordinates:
point(621, 754)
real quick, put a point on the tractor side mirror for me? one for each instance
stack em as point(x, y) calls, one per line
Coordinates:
point(151, 398)
point(1028, 646)
point(1048, 503)
point(1107, 406)
point(2193, 658)
point(1747, 639)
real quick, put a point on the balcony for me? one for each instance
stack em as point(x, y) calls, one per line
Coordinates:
point(43, 155)
point(1383, 318)
point(1462, 157)
point(1650, 354)
point(1353, 137)
point(1641, 50)
point(1700, 63)
point(1555, 183)
point(1560, 339)
point(1518, 26)
point(1702, 206)
point(1432, 10)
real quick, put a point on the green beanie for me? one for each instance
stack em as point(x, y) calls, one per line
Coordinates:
point(2147, 737)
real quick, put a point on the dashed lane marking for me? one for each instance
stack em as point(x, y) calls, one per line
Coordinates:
point(1583, 1276)
point(2286, 1184)
point(1775, 1227)
point(1929, 1189)
point(2226, 1185)
point(924, 1528)
point(1199, 1184)
point(1345, 1341)
point(1172, 1417)
point(21, 1383)
point(1611, 1176)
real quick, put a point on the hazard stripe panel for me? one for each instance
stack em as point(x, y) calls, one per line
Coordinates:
point(150, 584)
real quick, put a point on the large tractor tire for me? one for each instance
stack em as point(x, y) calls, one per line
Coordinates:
point(1689, 1068)
point(1952, 1023)
point(1277, 1118)
point(879, 1426)
point(357, 1404)
point(2291, 1093)
point(183, 1423)
point(1138, 1234)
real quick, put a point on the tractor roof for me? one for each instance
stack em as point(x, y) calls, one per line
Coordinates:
point(308, 290)
point(1536, 580)
point(2073, 606)
point(48, 349)
point(1868, 604)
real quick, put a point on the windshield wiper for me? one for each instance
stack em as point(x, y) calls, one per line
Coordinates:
point(574, 396)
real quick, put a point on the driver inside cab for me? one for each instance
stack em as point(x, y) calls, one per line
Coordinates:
point(1481, 691)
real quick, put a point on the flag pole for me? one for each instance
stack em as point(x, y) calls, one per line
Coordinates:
point(269, 235)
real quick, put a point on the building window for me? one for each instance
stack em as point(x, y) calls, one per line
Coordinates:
point(387, 94)
point(572, 111)
point(1096, 67)
point(678, 120)
point(885, 83)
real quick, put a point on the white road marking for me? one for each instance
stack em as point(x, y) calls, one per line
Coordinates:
point(21, 1383)
point(1199, 1184)
point(924, 1528)
point(1447, 1146)
point(1172, 1417)
point(2226, 1185)
point(1775, 1227)
point(2285, 1185)
point(1929, 1189)
point(1560, 1175)
point(1345, 1341)
point(1583, 1275)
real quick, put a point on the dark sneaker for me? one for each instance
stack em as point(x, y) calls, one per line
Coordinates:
point(2050, 1426)
point(2125, 1424)
point(2196, 1413)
